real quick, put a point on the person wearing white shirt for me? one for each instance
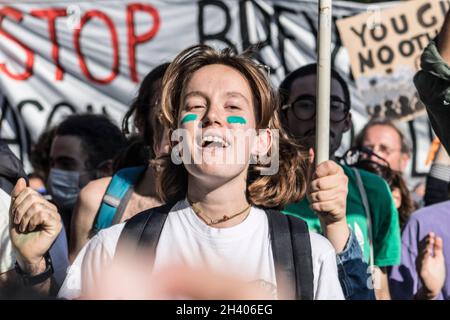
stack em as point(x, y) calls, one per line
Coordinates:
point(222, 107)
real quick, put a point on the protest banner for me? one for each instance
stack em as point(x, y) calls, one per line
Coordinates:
point(60, 57)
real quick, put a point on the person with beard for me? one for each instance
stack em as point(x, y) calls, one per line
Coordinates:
point(376, 225)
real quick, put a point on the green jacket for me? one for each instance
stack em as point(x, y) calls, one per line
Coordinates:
point(433, 85)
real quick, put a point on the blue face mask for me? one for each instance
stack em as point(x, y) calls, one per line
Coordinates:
point(64, 187)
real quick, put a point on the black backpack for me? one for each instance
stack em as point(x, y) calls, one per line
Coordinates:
point(289, 235)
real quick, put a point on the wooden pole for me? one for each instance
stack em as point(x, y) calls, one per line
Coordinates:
point(323, 83)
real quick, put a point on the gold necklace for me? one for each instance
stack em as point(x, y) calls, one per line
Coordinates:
point(199, 212)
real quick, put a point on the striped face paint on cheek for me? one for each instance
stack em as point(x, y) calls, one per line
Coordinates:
point(236, 119)
point(189, 117)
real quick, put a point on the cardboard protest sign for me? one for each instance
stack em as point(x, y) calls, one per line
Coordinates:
point(380, 41)
point(384, 48)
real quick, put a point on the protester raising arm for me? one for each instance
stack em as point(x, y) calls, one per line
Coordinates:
point(327, 196)
point(298, 91)
point(35, 225)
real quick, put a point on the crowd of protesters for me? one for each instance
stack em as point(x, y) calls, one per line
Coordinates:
point(187, 205)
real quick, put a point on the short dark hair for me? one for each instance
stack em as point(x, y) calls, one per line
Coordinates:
point(286, 84)
point(146, 116)
point(405, 147)
point(100, 137)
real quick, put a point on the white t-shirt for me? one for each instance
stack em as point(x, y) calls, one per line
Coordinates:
point(7, 255)
point(244, 250)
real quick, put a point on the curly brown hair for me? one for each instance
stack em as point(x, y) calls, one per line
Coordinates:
point(271, 191)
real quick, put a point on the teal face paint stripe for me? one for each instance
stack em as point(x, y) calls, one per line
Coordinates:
point(236, 119)
point(189, 117)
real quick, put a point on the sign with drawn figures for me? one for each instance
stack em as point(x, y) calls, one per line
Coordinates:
point(384, 48)
point(380, 42)
point(59, 57)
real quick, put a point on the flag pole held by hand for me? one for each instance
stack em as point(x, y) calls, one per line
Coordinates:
point(323, 83)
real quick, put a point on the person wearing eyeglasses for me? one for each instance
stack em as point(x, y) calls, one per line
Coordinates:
point(300, 108)
point(389, 144)
point(374, 222)
point(387, 141)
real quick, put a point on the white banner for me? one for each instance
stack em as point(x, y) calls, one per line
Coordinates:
point(60, 57)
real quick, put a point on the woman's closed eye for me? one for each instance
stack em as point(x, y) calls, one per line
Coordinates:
point(233, 107)
point(195, 107)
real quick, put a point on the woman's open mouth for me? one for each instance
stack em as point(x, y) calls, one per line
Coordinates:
point(214, 141)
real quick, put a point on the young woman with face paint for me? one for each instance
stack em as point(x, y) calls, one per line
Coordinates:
point(210, 100)
point(221, 110)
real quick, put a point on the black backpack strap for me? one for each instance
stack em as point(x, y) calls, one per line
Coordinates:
point(6, 185)
point(291, 246)
point(304, 272)
point(282, 254)
point(143, 230)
